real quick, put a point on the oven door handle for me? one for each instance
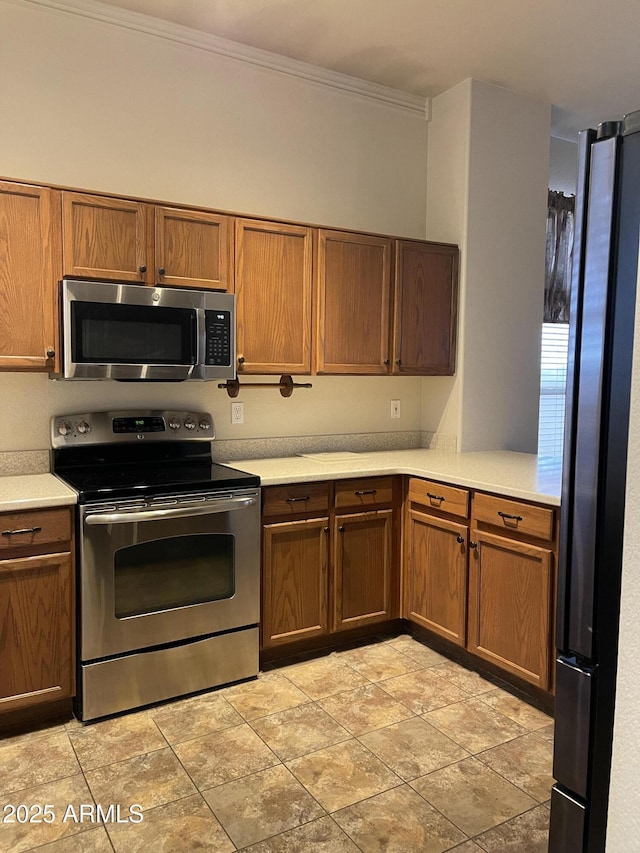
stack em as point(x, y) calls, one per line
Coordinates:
point(134, 516)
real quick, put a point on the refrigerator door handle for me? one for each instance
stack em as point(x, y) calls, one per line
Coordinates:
point(584, 502)
point(574, 691)
point(567, 823)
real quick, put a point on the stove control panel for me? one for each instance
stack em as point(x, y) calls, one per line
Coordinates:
point(147, 425)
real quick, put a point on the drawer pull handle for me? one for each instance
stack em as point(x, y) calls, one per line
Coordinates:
point(367, 492)
point(295, 500)
point(506, 517)
point(433, 497)
point(459, 539)
point(22, 530)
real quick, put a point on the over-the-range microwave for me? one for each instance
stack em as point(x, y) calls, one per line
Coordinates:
point(131, 332)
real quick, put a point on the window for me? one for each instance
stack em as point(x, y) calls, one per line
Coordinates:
point(553, 381)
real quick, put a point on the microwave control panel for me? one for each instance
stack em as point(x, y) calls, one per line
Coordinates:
point(218, 337)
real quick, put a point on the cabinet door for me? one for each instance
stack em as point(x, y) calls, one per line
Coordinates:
point(105, 238)
point(36, 637)
point(436, 575)
point(273, 297)
point(510, 588)
point(426, 288)
point(353, 294)
point(294, 594)
point(30, 266)
point(362, 569)
point(193, 249)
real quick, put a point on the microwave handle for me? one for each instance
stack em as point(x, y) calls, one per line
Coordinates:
point(134, 516)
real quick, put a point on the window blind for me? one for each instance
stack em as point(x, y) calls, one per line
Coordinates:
point(553, 381)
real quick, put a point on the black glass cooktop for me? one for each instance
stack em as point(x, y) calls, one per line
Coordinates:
point(110, 472)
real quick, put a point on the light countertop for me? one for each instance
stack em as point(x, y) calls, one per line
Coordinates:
point(518, 475)
point(34, 491)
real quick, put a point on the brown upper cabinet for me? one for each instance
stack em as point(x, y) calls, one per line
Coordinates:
point(353, 293)
point(122, 240)
point(309, 300)
point(29, 269)
point(273, 297)
point(425, 308)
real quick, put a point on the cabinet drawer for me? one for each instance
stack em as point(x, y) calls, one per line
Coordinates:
point(372, 491)
point(513, 515)
point(298, 497)
point(20, 530)
point(437, 496)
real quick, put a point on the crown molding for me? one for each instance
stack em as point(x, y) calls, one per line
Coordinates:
point(264, 59)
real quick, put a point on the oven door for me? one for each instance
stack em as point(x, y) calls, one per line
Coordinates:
point(177, 569)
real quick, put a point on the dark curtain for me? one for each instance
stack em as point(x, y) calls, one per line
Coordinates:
point(557, 283)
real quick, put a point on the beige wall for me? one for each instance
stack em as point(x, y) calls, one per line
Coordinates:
point(92, 105)
point(487, 191)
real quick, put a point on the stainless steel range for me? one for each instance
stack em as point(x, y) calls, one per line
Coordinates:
point(168, 557)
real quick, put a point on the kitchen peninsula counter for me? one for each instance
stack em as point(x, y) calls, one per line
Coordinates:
point(518, 475)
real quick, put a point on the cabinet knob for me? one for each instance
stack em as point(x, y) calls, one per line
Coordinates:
point(341, 528)
point(459, 539)
point(398, 361)
point(473, 545)
point(142, 269)
point(387, 362)
point(50, 352)
point(161, 271)
point(326, 529)
point(241, 360)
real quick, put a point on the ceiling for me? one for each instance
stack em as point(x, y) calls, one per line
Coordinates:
point(582, 56)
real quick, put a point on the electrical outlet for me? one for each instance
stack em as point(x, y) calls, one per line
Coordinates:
point(237, 413)
point(395, 408)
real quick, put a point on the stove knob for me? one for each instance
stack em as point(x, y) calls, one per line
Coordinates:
point(65, 428)
point(83, 427)
point(204, 424)
point(189, 423)
point(174, 423)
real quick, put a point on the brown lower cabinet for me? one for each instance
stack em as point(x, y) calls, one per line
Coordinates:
point(489, 586)
point(295, 574)
point(36, 609)
point(512, 586)
point(362, 556)
point(478, 570)
point(329, 556)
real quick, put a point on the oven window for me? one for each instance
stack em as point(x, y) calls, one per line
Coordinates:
point(175, 572)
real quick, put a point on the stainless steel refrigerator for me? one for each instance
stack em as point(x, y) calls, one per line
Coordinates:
point(605, 272)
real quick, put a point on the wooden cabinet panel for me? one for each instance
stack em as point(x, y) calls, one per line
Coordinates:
point(353, 274)
point(510, 609)
point(105, 238)
point(193, 249)
point(436, 575)
point(294, 498)
point(447, 499)
point(425, 308)
point(34, 528)
point(362, 573)
point(294, 598)
point(30, 266)
point(36, 635)
point(273, 297)
point(366, 492)
point(514, 516)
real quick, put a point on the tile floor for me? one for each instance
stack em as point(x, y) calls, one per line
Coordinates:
point(385, 748)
